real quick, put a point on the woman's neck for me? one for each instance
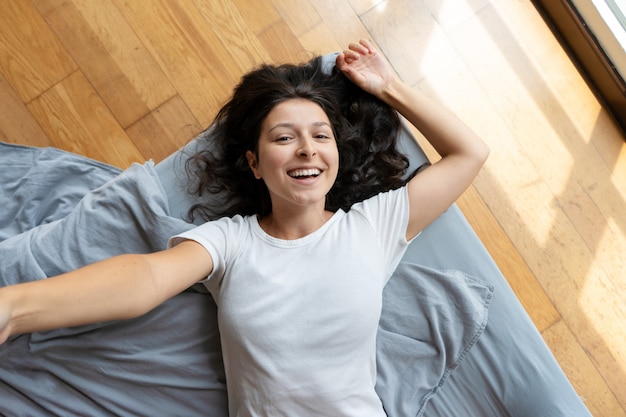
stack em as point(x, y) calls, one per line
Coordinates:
point(291, 226)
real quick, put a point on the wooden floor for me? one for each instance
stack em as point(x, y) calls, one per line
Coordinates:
point(124, 81)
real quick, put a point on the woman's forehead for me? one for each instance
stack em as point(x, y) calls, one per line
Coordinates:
point(294, 113)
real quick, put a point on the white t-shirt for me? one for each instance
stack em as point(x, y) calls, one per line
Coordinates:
point(298, 318)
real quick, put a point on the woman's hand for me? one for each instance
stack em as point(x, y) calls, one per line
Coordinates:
point(367, 68)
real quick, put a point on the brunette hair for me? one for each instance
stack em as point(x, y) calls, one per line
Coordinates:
point(365, 129)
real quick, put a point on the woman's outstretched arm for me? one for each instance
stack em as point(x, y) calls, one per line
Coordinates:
point(462, 152)
point(121, 287)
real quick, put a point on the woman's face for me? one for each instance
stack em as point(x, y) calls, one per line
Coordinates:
point(297, 154)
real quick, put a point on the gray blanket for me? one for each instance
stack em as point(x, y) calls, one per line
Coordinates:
point(164, 363)
point(60, 211)
point(167, 362)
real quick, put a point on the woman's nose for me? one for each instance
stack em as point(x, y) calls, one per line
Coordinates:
point(307, 148)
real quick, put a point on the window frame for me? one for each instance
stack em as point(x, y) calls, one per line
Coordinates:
point(587, 53)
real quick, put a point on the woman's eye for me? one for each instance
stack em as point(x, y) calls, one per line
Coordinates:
point(282, 139)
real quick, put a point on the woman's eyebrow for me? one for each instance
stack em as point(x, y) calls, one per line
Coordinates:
point(293, 125)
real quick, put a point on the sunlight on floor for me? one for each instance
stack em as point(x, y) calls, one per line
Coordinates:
point(603, 304)
point(450, 13)
point(619, 171)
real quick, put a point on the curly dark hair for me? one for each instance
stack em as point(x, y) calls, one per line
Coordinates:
point(365, 129)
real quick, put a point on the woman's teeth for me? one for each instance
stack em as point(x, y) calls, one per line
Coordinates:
point(297, 173)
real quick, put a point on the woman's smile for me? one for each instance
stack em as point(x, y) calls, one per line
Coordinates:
point(304, 173)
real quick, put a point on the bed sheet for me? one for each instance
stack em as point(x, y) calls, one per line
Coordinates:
point(432, 358)
point(169, 361)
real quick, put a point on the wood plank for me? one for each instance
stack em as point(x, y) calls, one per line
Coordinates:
point(546, 229)
point(164, 130)
point(17, 125)
point(282, 45)
point(362, 6)
point(601, 227)
point(609, 142)
point(585, 378)
point(319, 40)
point(110, 55)
point(300, 16)
point(589, 194)
point(450, 14)
point(195, 60)
point(224, 19)
point(75, 119)
point(258, 15)
point(411, 39)
point(31, 58)
point(342, 21)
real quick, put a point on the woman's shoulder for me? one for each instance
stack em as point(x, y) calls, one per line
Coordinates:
point(393, 196)
point(227, 227)
point(234, 222)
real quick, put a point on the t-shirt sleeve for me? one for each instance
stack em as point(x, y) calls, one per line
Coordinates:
point(214, 237)
point(388, 214)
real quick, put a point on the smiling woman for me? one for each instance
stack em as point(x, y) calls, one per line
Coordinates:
point(298, 264)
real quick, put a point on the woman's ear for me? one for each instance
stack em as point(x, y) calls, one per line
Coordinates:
point(253, 164)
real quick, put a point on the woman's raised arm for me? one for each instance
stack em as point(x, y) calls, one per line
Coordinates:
point(462, 152)
point(121, 287)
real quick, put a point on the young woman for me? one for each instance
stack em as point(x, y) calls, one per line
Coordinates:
point(297, 270)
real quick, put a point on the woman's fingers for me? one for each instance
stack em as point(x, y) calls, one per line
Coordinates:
point(356, 50)
point(351, 56)
point(363, 47)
